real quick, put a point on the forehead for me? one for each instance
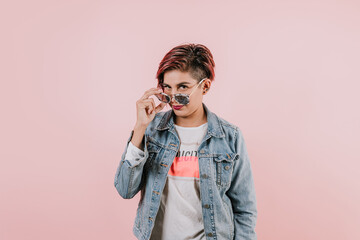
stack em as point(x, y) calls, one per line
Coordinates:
point(175, 77)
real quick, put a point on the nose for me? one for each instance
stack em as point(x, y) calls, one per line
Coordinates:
point(173, 91)
point(172, 99)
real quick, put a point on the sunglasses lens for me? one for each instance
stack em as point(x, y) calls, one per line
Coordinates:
point(163, 98)
point(182, 99)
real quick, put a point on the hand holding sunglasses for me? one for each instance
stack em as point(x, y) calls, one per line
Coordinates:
point(146, 108)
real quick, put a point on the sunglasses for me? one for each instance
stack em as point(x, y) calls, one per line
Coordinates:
point(180, 98)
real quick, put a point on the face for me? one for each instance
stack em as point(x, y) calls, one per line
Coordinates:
point(176, 81)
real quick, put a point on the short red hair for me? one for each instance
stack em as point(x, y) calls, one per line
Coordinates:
point(193, 58)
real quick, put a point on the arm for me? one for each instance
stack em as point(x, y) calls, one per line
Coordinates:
point(129, 172)
point(242, 193)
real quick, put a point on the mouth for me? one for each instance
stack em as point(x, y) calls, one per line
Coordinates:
point(177, 107)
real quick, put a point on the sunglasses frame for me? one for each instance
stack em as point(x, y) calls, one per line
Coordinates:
point(187, 96)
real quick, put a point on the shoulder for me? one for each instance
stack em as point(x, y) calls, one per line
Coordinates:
point(226, 124)
point(234, 136)
point(228, 127)
point(233, 133)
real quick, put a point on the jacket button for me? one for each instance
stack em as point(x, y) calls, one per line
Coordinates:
point(206, 206)
point(204, 176)
point(227, 167)
point(210, 234)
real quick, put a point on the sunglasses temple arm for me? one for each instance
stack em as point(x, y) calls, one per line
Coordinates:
point(197, 86)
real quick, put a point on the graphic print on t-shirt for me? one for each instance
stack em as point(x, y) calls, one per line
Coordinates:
point(185, 164)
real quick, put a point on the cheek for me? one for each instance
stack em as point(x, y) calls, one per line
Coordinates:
point(195, 98)
point(198, 95)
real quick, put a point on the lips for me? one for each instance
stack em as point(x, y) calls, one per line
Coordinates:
point(177, 107)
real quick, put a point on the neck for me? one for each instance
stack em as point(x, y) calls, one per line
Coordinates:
point(195, 119)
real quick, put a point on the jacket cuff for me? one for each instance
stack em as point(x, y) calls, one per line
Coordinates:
point(133, 155)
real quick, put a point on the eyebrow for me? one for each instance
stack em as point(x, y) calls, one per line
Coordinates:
point(177, 84)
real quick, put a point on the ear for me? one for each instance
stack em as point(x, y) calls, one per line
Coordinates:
point(207, 85)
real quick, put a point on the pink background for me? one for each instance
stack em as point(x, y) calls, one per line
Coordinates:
point(287, 73)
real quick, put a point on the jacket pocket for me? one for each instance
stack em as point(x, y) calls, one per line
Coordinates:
point(223, 164)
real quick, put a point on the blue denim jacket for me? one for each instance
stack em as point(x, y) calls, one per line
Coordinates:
point(226, 181)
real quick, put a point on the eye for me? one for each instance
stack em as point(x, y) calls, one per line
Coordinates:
point(181, 87)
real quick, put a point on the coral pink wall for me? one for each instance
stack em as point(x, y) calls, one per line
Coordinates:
point(287, 73)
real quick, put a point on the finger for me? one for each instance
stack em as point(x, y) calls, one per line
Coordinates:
point(150, 92)
point(150, 100)
point(146, 104)
point(153, 106)
point(159, 107)
point(143, 103)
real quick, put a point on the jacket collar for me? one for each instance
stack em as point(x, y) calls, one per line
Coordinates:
point(214, 127)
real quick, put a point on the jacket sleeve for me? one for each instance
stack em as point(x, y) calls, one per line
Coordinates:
point(128, 177)
point(242, 193)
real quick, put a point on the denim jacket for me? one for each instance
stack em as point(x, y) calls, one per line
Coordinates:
point(226, 182)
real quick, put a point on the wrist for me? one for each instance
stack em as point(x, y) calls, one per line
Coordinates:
point(140, 127)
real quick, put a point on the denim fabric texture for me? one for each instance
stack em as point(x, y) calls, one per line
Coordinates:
point(226, 181)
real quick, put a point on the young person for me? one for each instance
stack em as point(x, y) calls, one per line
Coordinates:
point(191, 166)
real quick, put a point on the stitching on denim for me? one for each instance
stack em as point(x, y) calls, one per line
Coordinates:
point(117, 176)
point(130, 182)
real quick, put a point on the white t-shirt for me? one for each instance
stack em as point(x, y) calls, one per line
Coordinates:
point(180, 212)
